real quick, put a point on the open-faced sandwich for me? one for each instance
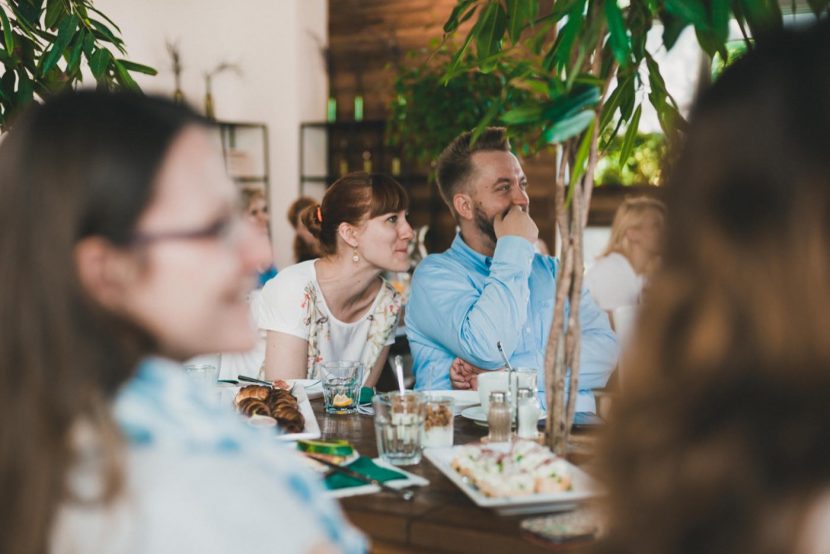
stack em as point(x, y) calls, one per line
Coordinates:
point(527, 468)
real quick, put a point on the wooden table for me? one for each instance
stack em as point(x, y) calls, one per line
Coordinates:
point(441, 519)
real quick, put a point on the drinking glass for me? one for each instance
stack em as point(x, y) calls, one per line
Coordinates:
point(341, 386)
point(399, 425)
point(204, 373)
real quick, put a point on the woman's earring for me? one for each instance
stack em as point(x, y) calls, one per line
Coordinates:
point(355, 257)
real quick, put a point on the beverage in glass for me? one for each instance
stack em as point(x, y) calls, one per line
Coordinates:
point(341, 386)
point(399, 425)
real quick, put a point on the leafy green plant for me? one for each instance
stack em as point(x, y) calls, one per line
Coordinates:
point(46, 42)
point(642, 166)
point(591, 69)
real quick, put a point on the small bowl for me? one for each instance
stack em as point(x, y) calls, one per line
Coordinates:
point(258, 420)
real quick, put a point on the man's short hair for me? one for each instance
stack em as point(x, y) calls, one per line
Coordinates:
point(454, 165)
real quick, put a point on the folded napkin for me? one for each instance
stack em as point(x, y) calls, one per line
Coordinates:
point(365, 466)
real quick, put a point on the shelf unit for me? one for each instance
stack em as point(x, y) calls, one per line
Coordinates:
point(331, 149)
point(245, 151)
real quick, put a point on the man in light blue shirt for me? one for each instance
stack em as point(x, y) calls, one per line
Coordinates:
point(491, 285)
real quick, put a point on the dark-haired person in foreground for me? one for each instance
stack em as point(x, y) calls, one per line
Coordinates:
point(124, 253)
point(491, 286)
point(339, 307)
point(721, 442)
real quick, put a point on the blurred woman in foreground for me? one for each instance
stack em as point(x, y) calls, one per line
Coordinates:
point(721, 442)
point(121, 240)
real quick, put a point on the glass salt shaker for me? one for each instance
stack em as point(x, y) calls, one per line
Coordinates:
point(498, 417)
point(528, 414)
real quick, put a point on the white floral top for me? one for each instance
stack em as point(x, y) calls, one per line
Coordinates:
point(293, 303)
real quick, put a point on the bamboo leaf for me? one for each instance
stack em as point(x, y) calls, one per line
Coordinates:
point(73, 59)
point(65, 34)
point(102, 14)
point(619, 40)
point(690, 11)
point(99, 63)
point(630, 135)
point(613, 102)
point(103, 33)
point(523, 114)
point(568, 127)
point(124, 77)
point(520, 14)
point(763, 16)
point(455, 19)
point(453, 68)
point(31, 9)
point(581, 97)
point(489, 30)
point(55, 9)
point(494, 109)
point(582, 156)
point(132, 66)
point(560, 52)
point(720, 21)
point(25, 88)
point(8, 37)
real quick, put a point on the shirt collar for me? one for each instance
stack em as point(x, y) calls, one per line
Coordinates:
point(467, 254)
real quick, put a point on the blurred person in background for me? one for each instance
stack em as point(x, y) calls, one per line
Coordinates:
point(306, 246)
point(255, 208)
point(721, 441)
point(633, 253)
point(107, 447)
point(339, 307)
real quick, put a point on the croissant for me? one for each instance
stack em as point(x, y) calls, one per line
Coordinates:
point(279, 395)
point(289, 419)
point(251, 406)
point(252, 391)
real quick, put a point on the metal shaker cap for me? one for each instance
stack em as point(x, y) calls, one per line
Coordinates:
point(498, 396)
point(525, 392)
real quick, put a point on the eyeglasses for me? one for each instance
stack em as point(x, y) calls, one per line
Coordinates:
point(223, 229)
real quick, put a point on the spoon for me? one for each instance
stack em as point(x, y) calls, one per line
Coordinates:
point(398, 363)
point(512, 384)
point(504, 356)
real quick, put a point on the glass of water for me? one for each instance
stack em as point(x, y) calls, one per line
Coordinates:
point(341, 386)
point(205, 373)
point(399, 425)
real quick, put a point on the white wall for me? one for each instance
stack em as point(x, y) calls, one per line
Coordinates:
point(283, 80)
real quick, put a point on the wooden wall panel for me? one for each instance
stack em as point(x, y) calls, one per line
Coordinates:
point(367, 40)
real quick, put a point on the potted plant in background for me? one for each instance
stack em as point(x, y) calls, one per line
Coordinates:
point(46, 42)
point(582, 64)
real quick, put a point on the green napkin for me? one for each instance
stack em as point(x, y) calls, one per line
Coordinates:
point(336, 480)
point(366, 395)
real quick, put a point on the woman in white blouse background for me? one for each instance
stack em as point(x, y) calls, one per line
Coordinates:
point(338, 307)
point(617, 278)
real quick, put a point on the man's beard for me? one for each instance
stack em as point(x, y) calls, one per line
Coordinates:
point(485, 224)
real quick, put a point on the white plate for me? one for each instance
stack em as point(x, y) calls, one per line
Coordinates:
point(476, 413)
point(313, 387)
point(461, 398)
point(584, 488)
point(311, 429)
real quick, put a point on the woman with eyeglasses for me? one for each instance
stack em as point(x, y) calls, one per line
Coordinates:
point(123, 253)
point(339, 307)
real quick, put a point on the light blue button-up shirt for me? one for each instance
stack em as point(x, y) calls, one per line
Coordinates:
point(462, 303)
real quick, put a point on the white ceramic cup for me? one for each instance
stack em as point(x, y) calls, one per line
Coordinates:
point(496, 380)
point(488, 382)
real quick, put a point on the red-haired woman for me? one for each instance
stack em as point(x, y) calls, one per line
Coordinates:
point(338, 307)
